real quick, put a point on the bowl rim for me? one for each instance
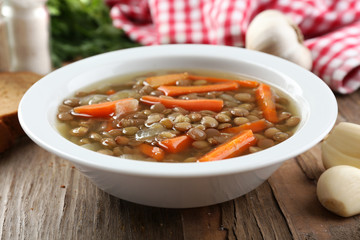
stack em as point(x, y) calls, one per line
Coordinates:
point(36, 124)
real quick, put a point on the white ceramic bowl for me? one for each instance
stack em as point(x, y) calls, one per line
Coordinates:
point(179, 185)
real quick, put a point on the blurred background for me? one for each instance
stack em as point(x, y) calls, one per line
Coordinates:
point(70, 40)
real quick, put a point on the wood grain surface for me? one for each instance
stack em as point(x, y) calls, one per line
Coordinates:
point(46, 197)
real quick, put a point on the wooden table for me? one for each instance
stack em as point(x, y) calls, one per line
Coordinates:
point(45, 197)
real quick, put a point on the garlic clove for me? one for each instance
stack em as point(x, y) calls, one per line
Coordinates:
point(274, 33)
point(338, 190)
point(342, 146)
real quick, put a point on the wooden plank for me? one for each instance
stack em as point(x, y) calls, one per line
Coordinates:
point(307, 219)
point(203, 223)
point(255, 216)
point(349, 107)
point(45, 197)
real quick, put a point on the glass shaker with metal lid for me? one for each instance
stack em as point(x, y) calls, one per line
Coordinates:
point(28, 28)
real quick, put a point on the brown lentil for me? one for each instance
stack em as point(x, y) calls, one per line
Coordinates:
point(247, 106)
point(196, 134)
point(195, 117)
point(156, 93)
point(209, 122)
point(117, 151)
point(253, 149)
point(108, 142)
point(121, 140)
point(252, 118)
point(166, 122)
point(154, 118)
point(190, 159)
point(211, 132)
point(181, 110)
point(230, 104)
point(270, 132)
point(64, 108)
point(244, 97)
point(95, 136)
point(200, 144)
point(115, 132)
point(199, 126)
point(265, 143)
point(224, 125)
point(157, 108)
point(130, 131)
point(182, 126)
point(239, 112)
point(284, 116)
point(292, 121)
point(221, 117)
point(241, 120)
point(280, 136)
point(65, 116)
point(79, 131)
point(181, 118)
point(72, 102)
point(166, 134)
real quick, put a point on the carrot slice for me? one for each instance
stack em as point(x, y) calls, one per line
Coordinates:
point(169, 79)
point(176, 144)
point(265, 100)
point(180, 90)
point(235, 146)
point(110, 91)
point(152, 151)
point(192, 105)
point(255, 126)
point(105, 109)
point(241, 83)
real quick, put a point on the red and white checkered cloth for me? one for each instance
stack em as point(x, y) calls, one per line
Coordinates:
point(331, 28)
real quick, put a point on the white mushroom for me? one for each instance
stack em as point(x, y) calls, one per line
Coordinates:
point(274, 33)
point(338, 190)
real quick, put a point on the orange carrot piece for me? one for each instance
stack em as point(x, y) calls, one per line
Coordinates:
point(241, 83)
point(169, 79)
point(265, 100)
point(176, 144)
point(234, 147)
point(110, 91)
point(152, 151)
point(180, 90)
point(192, 104)
point(255, 126)
point(105, 109)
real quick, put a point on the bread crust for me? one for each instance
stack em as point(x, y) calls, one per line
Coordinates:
point(12, 88)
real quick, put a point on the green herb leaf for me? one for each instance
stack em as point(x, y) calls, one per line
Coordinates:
point(82, 28)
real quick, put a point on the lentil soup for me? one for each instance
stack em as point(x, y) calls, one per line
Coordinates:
point(178, 116)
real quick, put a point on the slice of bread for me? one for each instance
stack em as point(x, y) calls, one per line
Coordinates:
point(12, 88)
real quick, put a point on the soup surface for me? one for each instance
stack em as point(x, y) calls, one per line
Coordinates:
point(178, 116)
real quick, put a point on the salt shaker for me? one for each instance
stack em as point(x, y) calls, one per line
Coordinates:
point(4, 45)
point(28, 28)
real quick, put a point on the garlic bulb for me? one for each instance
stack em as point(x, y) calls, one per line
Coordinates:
point(274, 33)
point(342, 146)
point(338, 190)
